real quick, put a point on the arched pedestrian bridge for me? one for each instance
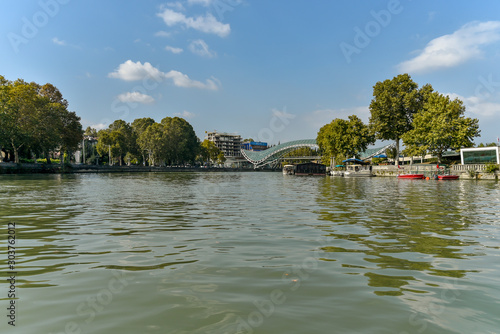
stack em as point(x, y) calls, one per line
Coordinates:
point(273, 154)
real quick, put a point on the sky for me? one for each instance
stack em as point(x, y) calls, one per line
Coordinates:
point(270, 70)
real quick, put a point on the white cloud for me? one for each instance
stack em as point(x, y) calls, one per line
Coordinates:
point(185, 114)
point(176, 5)
point(132, 97)
point(454, 49)
point(205, 3)
point(201, 48)
point(477, 105)
point(207, 24)
point(173, 49)
point(57, 41)
point(162, 33)
point(182, 80)
point(99, 126)
point(130, 71)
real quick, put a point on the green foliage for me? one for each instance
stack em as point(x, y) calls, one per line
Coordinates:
point(209, 152)
point(487, 145)
point(342, 139)
point(377, 161)
point(394, 105)
point(36, 118)
point(491, 168)
point(440, 126)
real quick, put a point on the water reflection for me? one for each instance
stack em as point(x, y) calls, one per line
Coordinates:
point(396, 229)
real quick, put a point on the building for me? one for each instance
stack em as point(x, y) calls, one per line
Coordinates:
point(254, 146)
point(480, 155)
point(228, 143)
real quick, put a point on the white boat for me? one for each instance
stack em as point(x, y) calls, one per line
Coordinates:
point(358, 171)
point(337, 170)
point(288, 170)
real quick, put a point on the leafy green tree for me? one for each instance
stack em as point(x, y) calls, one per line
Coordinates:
point(140, 125)
point(182, 143)
point(440, 126)
point(210, 151)
point(344, 138)
point(221, 159)
point(487, 145)
point(393, 107)
point(153, 141)
point(35, 118)
point(91, 132)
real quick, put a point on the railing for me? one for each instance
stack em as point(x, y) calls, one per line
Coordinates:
point(463, 168)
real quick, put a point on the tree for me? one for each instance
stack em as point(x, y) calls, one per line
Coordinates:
point(394, 104)
point(221, 159)
point(153, 141)
point(182, 143)
point(35, 118)
point(440, 126)
point(344, 138)
point(209, 151)
point(140, 125)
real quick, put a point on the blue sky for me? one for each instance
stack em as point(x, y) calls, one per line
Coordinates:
point(273, 70)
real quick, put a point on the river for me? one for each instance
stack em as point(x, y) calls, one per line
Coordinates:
point(250, 252)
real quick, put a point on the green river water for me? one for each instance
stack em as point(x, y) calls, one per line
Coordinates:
point(249, 252)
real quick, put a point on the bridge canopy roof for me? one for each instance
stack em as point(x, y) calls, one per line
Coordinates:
point(274, 153)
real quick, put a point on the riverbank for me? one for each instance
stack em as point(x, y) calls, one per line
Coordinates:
point(465, 172)
point(12, 168)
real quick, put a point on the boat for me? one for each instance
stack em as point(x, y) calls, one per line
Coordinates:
point(448, 177)
point(443, 173)
point(410, 176)
point(338, 170)
point(288, 170)
point(358, 171)
point(309, 168)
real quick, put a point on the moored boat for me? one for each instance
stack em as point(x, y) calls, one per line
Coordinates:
point(288, 169)
point(410, 176)
point(448, 177)
point(358, 171)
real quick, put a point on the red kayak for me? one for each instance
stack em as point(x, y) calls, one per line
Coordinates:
point(411, 176)
point(448, 177)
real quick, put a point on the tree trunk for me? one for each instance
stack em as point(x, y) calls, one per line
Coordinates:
point(47, 156)
point(396, 158)
point(16, 151)
point(440, 157)
point(16, 155)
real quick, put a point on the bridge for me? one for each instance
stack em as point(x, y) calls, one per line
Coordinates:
point(273, 154)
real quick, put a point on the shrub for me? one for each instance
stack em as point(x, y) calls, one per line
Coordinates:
point(491, 168)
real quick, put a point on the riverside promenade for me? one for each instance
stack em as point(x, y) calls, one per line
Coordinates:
point(468, 172)
point(27, 168)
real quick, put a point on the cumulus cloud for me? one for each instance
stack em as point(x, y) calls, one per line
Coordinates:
point(477, 105)
point(454, 49)
point(131, 97)
point(207, 24)
point(176, 5)
point(201, 48)
point(182, 80)
point(99, 126)
point(173, 49)
point(185, 114)
point(130, 71)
